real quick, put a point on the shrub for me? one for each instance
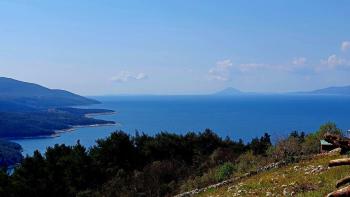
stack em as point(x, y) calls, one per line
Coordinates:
point(287, 149)
point(225, 171)
point(311, 144)
point(206, 179)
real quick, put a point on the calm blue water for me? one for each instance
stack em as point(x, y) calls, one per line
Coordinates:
point(238, 117)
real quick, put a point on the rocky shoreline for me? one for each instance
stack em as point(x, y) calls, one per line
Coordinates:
point(58, 133)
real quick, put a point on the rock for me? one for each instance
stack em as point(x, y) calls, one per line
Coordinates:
point(336, 150)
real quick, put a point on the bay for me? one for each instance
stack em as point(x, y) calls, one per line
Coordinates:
point(239, 117)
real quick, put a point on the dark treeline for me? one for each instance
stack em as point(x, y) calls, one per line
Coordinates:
point(120, 165)
point(42, 122)
point(10, 153)
point(143, 165)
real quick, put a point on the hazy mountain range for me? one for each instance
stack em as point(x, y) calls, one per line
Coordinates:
point(343, 90)
point(22, 95)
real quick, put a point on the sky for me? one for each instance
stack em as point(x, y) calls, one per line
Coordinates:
point(105, 47)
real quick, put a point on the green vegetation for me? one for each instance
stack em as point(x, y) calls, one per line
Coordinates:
point(121, 164)
point(10, 153)
point(29, 110)
point(307, 178)
point(162, 165)
point(44, 122)
point(225, 171)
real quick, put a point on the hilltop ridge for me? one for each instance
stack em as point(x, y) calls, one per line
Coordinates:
point(29, 110)
point(34, 95)
point(309, 177)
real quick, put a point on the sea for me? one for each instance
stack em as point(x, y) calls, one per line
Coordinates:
point(238, 117)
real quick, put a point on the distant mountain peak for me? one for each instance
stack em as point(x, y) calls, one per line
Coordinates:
point(229, 91)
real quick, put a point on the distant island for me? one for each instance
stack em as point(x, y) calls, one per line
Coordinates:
point(342, 90)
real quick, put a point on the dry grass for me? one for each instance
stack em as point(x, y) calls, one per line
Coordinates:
point(306, 178)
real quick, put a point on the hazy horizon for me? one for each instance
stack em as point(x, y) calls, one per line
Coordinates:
point(171, 48)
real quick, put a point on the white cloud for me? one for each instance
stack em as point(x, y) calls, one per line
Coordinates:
point(299, 61)
point(345, 45)
point(140, 76)
point(125, 76)
point(224, 64)
point(333, 61)
point(221, 71)
point(225, 69)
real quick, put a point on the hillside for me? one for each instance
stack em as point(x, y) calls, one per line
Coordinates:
point(310, 177)
point(10, 153)
point(29, 110)
point(30, 95)
point(44, 123)
point(167, 164)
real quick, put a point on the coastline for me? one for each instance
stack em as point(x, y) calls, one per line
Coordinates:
point(89, 115)
point(57, 133)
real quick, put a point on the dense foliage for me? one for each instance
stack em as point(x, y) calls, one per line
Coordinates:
point(43, 122)
point(143, 165)
point(10, 153)
point(120, 164)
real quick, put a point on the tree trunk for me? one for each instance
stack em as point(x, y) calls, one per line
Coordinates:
point(339, 162)
point(341, 192)
point(343, 181)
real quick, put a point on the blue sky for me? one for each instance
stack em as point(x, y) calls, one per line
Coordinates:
point(176, 47)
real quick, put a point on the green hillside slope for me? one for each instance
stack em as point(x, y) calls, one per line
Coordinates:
point(310, 177)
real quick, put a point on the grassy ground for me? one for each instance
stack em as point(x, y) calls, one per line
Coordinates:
point(307, 178)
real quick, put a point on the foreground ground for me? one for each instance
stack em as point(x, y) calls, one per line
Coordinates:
point(307, 178)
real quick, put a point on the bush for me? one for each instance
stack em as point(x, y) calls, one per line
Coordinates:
point(311, 144)
point(287, 149)
point(246, 162)
point(225, 171)
point(222, 155)
point(205, 180)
